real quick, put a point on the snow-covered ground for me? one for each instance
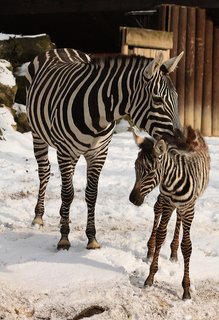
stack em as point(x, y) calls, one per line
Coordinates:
point(37, 282)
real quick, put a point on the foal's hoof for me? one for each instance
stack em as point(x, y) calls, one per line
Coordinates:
point(37, 221)
point(63, 244)
point(186, 295)
point(173, 258)
point(148, 282)
point(93, 244)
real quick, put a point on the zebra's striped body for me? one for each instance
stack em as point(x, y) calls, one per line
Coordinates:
point(72, 105)
point(180, 165)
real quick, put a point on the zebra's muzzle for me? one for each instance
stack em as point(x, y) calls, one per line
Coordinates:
point(136, 198)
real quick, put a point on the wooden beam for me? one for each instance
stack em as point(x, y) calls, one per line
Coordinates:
point(180, 78)
point(190, 67)
point(215, 84)
point(208, 69)
point(199, 65)
point(146, 38)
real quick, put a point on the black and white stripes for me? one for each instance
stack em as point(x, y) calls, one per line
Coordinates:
point(72, 104)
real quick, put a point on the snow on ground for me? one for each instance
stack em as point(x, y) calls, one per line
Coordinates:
point(37, 282)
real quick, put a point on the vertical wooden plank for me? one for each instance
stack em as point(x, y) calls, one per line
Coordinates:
point(207, 85)
point(162, 17)
point(190, 67)
point(174, 25)
point(199, 65)
point(180, 81)
point(215, 84)
point(124, 46)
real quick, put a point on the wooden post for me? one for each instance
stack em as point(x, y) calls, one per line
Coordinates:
point(199, 65)
point(215, 89)
point(174, 25)
point(207, 85)
point(190, 67)
point(180, 82)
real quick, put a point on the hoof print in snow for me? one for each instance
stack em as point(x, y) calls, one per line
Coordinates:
point(89, 312)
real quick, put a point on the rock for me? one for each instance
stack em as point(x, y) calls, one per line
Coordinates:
point(8, 87)
point(20, 49)
point(20, 117)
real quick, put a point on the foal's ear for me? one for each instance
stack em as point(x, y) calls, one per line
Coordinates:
point(160, 148)
point(138, 139)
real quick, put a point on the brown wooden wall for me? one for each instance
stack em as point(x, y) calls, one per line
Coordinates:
point(197, 76)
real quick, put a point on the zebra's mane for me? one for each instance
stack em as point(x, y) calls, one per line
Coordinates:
point(99, 60)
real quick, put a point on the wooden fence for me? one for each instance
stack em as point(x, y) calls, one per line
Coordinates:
point(196, 79)
point(197, 76)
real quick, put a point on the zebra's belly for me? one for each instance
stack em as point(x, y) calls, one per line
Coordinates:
point(185, 196)
point(75, 142)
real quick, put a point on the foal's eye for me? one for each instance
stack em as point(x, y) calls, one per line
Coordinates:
point(160, 157)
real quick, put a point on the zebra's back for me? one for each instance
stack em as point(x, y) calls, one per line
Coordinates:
point(187, 167)
point(55, 100)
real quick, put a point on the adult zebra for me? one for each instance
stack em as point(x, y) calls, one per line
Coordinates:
point(180, 165)
point(72, 105)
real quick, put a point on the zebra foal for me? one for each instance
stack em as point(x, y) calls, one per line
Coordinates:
point(180, 165)
point(73, 103)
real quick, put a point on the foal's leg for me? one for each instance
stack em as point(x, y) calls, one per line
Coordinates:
point(66, 166)
point(158, 208)
point(160, 237)
point(41, 155)
point(175, 243)
point(95, 162)
point(186, 246)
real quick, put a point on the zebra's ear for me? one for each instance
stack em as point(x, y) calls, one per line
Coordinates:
point(154, 65)
point(171, 64)
point(160, 148)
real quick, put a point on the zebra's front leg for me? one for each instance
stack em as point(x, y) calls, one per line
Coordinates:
point(41, 155)
point(186, 247)
point(175, 242)
point(152, 240)
point(95, 164)
point(66, 166)
point(160, 237)
point(90, 197)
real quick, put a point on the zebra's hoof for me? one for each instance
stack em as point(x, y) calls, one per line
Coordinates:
point(93, 244)
point(63, 244)
point(37, 221)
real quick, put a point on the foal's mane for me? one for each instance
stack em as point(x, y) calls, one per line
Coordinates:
point(188, 139)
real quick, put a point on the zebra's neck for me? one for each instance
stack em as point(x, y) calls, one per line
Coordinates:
point(119, 80)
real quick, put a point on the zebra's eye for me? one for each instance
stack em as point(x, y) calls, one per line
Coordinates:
point(158, 100)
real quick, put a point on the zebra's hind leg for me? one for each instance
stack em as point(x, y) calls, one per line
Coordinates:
point(41, 155)
point(66, 166)
point(160, 237)
point(175, 243)
point(186, 247)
